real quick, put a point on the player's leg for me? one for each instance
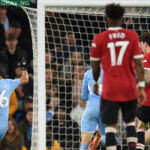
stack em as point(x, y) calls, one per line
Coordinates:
point(99, 138)
point(86, 139)
point(88, 126)
point(147, 136)
point(102, 131)
point(141, 127)
point(143, 118)
point(109, 115)
point(129, 111)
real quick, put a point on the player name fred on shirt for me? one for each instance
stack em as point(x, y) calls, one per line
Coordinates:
point(117, 35)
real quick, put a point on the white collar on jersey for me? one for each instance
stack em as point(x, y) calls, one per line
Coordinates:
point(114, 28)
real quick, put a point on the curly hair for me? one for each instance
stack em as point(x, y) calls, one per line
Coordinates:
point(114, 11)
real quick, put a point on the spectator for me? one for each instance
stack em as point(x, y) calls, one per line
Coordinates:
point(65, 130)
point(23, 42)
point(63, 52)
point(28, 103)
point(15, 28)
point(77, 84)
point(51, 90)
point(13, 140)
point(25, 127)
point(2, 37)
point(71, 45)
point(54, 102)
point(3, 18)
point(68, 68)
point(48, 57)
point(24, 106)
point(70, 40)
point(51, 74)
point(68, 46)
point(11, 54)
point(58, 55)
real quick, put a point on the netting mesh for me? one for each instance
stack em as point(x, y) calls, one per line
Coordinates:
point(32, 16)
point(68, 37)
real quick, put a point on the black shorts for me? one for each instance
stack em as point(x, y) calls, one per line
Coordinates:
point(109, 111)
point(143, 113)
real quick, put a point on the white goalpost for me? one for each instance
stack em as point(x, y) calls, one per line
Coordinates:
point(50, 23)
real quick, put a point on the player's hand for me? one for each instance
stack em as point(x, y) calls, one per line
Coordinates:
point(141, 96)
point(95, 88)
point(24, 64)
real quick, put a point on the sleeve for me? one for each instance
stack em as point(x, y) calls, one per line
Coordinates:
point(136, 50)
point(95, 50)
point(148, 60)
point(85, 91)
point(13, 104)
point(14, 83)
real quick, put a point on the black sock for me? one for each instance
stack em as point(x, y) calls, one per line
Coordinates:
point(141, 140)
point(110, 139)
point(131, 137)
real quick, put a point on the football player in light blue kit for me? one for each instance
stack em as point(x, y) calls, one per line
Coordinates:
point(91, 115)
point(6, 88)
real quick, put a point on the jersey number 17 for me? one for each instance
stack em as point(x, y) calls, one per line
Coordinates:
point(112, 46)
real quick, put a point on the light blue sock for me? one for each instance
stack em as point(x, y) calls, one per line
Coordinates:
point(84, 147)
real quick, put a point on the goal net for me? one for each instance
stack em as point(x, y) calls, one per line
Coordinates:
point(67, 41)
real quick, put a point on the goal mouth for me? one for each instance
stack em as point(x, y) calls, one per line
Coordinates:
point(136, 12)
point(49, 37)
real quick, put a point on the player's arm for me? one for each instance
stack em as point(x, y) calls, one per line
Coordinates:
point(95, 58)
point(137, 56)
point(147, 76)
point(85, 91)
point(24, 77)
point(141, 83)
point(140, 72)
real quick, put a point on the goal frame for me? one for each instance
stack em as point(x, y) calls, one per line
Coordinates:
point(41, 48)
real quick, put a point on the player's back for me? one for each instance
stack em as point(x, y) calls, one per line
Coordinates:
point(5, 92)
point(87, 89)
point(116, 48)
point(6, 88)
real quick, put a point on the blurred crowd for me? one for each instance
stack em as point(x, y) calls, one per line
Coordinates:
point(15, 44)
point(68, 39)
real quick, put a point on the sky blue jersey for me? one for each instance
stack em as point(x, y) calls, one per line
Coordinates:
point(6, 88)
point(88, 83)
point(91, 116)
